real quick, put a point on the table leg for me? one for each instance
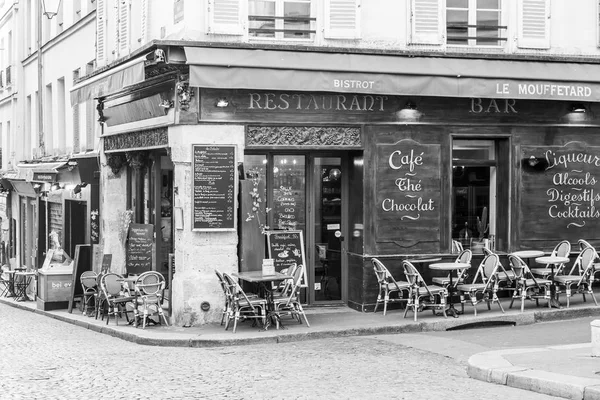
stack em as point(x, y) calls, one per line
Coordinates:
point(273, 316)
point(451, 310)
point(553, 294)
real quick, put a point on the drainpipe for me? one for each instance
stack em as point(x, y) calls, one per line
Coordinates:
point(41, 144)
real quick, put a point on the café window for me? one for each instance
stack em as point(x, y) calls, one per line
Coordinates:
point(479, 193)
point(474, 23)
point(281, 19)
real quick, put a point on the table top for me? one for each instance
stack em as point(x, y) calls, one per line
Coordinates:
point(551, 260)
point(424, 260)
point(25, 273)
point(449, 266)
point(258, 276)
point(528, 253)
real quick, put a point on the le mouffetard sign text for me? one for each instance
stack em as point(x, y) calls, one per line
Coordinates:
point(565, 195)
point(407, 191)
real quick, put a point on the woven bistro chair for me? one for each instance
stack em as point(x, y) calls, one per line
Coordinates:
point(289, 303)
point(421, 295)
point(244, 307)
point(579, 280)
point(388, 285)
point(562, 249)
point(111, 286)
point(226, 314)
point(149, 291)
point(527, 286)
point(89, 285)
point(596, 263)
point(484, 286)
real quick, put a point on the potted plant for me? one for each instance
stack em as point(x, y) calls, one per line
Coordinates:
point(482, 229)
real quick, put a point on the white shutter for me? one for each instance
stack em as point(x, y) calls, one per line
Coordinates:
point(100, 32)
point(144, 23)
point(534, 24)
point(342, 19)
point(227, 17)
point(427, 22)
point(124, 16)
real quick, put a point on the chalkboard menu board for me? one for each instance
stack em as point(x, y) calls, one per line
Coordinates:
point(214, 187)
point(81, 263)
point(407, 193)
point(559, 192)
point(287, 248)
point(139, 248)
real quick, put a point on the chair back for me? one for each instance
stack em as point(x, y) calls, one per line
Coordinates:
point(518, 266)
point(487, 272)
point(486, 251)
point(465, 256)
point(237, 293)
point(150, 284)
point(583, 244)
point(586, 265)
point(457, 247)
point(88, 281)
point(414, 278)
point(285, 286)
point(111, 284)
point(562, 249)
point(296, 284)
point(381, 271)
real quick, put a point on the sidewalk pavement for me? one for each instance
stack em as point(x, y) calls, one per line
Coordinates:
point(539, 369)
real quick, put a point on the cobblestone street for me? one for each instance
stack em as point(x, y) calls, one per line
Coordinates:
point(45, 358)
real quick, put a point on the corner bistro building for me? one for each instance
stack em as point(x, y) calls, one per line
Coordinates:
point(369, 155)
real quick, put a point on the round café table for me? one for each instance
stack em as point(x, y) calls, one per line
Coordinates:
point(423, 260)
point(449, 267)
point(528, 254)
point(552, 261)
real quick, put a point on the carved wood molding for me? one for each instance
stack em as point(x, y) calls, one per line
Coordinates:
point(150, 138)
point(303, 136)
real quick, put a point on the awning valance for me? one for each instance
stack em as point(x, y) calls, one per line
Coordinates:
point(392, 74)
point(40, 172)
point(109, 81)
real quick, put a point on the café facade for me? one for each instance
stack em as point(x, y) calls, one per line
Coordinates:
point(367, 155)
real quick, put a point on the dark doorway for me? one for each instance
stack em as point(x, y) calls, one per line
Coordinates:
point(75, 225)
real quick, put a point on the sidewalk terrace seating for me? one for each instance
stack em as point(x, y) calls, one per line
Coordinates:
point(579, 280)
point(421, 295)
point(484, 286)
point(562, 249)
point(528, 287)
point(242, 306)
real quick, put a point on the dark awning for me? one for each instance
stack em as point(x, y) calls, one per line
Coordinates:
point(392, 74)
point(109, 81)
point(40, 172)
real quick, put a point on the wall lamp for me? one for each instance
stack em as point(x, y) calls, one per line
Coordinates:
point(77, 188)
point(222, 102)
point(410, 106)
point(533, 163)
point(50, 8)
point(578, 108)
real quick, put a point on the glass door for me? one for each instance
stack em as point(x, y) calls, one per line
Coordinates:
point(327, 232)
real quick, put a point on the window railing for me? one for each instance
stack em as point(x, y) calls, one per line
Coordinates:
point(293, 27)
point(8, 76)
point(482, 34)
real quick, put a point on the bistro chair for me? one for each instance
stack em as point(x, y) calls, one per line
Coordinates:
point(596, 263)
point(527, 286)
point(421, 295)
point(113, 296)
point(562, 249)
point(464, 257)
point(242, 306)
point(580, 278)
point(457, 247)
point(506, 277)
point(290, 303)
point(149, 291)
point(388, 285)
point(89, 285)
point(226, 315)
point(484, 286)
point(5, 282)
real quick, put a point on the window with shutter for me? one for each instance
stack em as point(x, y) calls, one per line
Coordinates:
point(123, 27)
point(534, 24)
point(426, 22)
point(101, 32)
point(225, 17)
point(281, 19)
point(342, 19)
point(462, 23)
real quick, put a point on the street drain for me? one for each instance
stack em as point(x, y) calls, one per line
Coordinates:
point(482, 324)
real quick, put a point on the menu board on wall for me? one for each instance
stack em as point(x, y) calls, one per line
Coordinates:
point(214, 187)
point(287, 248)
point(559, 192)
point(407, 194)
point(139, 248)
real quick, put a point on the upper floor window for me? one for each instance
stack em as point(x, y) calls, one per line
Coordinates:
point(285, 19)
point(474, 23)
point(281, 19)
point(480, 22)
